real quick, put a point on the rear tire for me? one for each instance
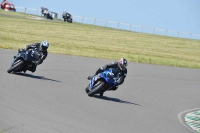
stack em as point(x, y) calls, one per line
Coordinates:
point(99, 88)
point(15, 66)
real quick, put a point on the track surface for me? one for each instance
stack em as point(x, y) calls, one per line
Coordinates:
point(53, 99)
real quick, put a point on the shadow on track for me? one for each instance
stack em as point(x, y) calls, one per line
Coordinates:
point(33, 76)
point(114, 100)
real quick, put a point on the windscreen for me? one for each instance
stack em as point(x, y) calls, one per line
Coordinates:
point(35, 54)
point(113, 75)
point(32, 55)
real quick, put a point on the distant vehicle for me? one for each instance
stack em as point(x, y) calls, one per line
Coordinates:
point(47, 14)
point(7, 6)
point(67, 17)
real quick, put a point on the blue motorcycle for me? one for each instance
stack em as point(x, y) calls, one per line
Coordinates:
point(24, 60)
point(103, 82)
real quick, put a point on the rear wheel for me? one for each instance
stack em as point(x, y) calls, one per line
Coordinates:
point(15, 66)
point(98, 87)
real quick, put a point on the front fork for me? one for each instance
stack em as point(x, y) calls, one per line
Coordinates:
point(14, 60)
point(93, 80)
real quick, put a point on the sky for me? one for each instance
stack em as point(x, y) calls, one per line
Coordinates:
point(179, 15)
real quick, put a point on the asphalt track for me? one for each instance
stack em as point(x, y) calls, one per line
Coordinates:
point(53, 99)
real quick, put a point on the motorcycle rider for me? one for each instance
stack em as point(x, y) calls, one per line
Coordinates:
point(4, 3)
point(120, 65)
point(43, 9)
point(42, 47)
point(64, 13)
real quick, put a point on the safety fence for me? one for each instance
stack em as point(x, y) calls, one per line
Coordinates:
point(117, 25)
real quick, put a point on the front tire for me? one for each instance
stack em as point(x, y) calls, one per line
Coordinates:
point(87, 89)
point(99, 87)
point(69, 20)
point(15, 66)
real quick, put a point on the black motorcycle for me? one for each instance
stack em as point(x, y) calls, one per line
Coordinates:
point(67, 17)
point(24, 60)
point(47, 14)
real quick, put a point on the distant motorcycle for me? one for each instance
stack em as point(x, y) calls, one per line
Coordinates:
point(8, 7)
point(24, 60)
point(103, 82)
point(67, 17)
point(47, 14)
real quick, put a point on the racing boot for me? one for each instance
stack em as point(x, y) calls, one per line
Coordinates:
point(101, 94)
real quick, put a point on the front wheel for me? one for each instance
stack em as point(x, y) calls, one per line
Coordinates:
point(87, 89)
point(98, 87)
point(15, 66)
point(69, 20)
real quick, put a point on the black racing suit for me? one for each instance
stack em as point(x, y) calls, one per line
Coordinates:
point(64, 14)
point(122, 73)
point(42, 57)
point(43, 9)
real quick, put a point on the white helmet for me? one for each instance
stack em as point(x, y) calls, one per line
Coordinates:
point(44, 45)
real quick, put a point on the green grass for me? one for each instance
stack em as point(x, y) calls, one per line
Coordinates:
point(98, 42)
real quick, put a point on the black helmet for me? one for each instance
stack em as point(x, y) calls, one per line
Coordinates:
point(122, 63)
point(44, 45)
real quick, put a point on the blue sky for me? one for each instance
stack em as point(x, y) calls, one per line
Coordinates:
point(180, 15)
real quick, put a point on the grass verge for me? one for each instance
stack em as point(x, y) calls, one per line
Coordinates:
point(98, 42)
